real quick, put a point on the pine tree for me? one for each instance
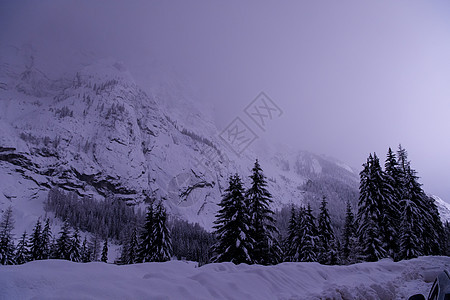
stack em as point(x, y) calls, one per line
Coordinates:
point(146, 251)
point(434, 234)
point(84, 253)
point(36, 252)
point(104, 257)
point(262, 229)
point(130, 249)
point(409, 243)
point(370, 214)
point(349, 236)
point(75, 247)
point(46, 238)
point(94, 247)
point(162, 244)
point(394, 178)
point(6, 238)
point(309, 238)
point(22, 252)
point(327, 240)
point(63, 244)
point(232, 226)
point(384, 194)
point(292, 242)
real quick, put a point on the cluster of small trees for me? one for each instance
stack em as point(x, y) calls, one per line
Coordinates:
point(152, 243)
point(395, 217)
point(308, 241)
point(41, 244)
point(244, 225)
point(105, 218)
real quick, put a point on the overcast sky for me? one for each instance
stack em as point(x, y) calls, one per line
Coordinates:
point(352, 77)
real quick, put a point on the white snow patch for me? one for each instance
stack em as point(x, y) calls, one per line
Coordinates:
point(57, 279)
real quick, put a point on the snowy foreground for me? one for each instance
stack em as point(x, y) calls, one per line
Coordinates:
point(57, 279)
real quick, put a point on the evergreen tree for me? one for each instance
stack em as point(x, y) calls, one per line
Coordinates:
point(262, 229)
point(292, 243)
point(75, 247)
point(370, 214)
point(349, 236)
point(130, 249)
point(434, 234)
point(384, 195)
point(6, 238)
point(327, 240)
point(234, 242)
point(84, 253)
point(146, 247)
point(22, 252)
point(63, 244)
point(309, 238)
point(105, 251)
point(409, 242)
point(162, 244)
point(46, 239)
point(447, 238)
point(394, 178)
point(36, 252)
point(94, 247)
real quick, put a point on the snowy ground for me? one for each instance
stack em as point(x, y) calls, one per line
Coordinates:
point(56, 279)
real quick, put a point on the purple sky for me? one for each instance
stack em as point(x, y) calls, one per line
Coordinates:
point(352, 77)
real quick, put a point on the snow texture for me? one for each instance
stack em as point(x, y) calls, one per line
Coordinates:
point(184, 280)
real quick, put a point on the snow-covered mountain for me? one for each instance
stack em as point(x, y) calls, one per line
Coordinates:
point(96, 132)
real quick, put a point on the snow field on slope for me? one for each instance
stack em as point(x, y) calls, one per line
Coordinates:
point(57, 279)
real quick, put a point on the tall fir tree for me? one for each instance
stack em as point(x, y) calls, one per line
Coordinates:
point(384, 194)
point(104, 257)
point(146, 246)
point(370, 214)
point(130, 249)
point(94, 247)
point(292, 242)
point(46, 239)
point(63, 243)
point(22, 252)
point(266, 250)
point(232, 226)
point(36, 251)
point(394, 178)
point(409, 241)
point(7, 238)
point(327, 240)
point(84, 253)
point(349, 243)
point(309, 239)
point(75, 247)
point(162, 243)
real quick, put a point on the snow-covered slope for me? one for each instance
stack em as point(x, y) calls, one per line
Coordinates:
point(94, 131)
point(184, 280)
point(443, 207)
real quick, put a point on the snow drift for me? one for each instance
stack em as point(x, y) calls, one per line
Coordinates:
point(184, 280)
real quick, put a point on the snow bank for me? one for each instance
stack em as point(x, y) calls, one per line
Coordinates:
point(57, 279)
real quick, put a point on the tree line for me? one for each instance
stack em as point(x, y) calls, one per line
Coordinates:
point(395, 218)
point(42, 244)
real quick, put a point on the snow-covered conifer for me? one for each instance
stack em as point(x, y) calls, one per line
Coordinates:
point(262, 229)
point(22, 252)
point(232, 226)
point(327, 240)
point(6, 238)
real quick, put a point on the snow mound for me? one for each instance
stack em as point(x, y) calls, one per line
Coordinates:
point(57, 279)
